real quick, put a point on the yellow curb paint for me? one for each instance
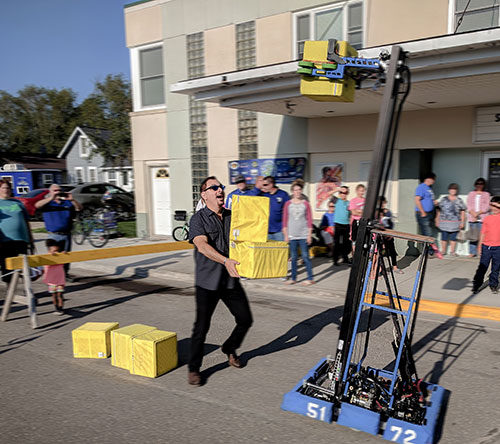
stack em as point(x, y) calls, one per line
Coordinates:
point(447, 308)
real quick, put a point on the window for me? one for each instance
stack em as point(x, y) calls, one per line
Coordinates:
point(247, 134)
point(111, 177)
point(480, 14)
point(79, 177)
point(22, 190)
point(245, 45)
point(84, 146)
point(197, 115)
point(148, 77)
point(47, 179)
point(92, 174)
point(125, 179)
point(340, 21)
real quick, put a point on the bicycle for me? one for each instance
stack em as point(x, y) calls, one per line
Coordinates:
point(92, 229)
point(181, 233)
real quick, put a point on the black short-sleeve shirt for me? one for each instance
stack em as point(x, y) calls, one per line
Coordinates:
point(209, 274)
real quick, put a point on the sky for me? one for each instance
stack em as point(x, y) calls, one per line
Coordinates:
point(61, 43)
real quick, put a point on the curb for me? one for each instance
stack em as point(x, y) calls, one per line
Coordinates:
point(450, 309)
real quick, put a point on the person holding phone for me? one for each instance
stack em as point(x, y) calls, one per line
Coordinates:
point(58, 210)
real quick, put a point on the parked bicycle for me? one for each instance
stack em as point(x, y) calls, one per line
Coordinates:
point(93, 229)
point(181, 233)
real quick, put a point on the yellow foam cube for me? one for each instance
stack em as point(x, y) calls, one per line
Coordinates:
point(121, 343)
point(249, 218)
point(92, 340)
point(154, 353)
point(323, 89)
point(260, 260)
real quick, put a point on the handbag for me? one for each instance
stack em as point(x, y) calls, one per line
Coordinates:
point(473, 233)
point(462, 236)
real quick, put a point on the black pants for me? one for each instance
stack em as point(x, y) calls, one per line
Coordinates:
point(488, 254)
point(342, 243)
point(11, 249)
point(206, 301)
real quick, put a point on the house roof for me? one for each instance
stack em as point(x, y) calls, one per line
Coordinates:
point(32, 161)
point(94, 134)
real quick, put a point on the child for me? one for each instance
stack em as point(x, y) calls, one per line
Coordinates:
point(385, 216)
point(54, 277)
point(489, 248)
point(327, 227)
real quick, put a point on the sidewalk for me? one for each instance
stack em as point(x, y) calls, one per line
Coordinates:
point(447, 283)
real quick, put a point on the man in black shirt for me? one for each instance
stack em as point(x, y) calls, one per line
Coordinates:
point(216, 277)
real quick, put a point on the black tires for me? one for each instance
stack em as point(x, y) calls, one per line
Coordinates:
point(180, 233)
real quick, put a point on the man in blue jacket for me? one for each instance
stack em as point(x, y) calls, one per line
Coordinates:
point(241, 188)
point(277, 199)
point(58, 209)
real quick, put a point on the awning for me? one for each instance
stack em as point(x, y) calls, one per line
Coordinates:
point(447, 71)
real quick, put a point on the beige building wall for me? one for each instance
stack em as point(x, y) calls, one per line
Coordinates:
point(220, 50)
point(149, 132)
point(273, 39)
point(392, 21)
point(143, 26)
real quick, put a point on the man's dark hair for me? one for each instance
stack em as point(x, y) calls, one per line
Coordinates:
point(270, 179)
point(203, 185)
point(53, 243)
point(430, 175)
point(495, 199)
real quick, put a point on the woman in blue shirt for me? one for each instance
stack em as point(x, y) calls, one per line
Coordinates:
point(15, 233)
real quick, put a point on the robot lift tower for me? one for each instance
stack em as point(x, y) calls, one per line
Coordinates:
point(375, 392)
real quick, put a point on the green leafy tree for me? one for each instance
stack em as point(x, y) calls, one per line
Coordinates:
point(36, 117)
point(108, 108)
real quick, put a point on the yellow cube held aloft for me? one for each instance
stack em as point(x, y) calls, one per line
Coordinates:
point(154, 353)
point(249, 218)
point(260, 260)
point(92, 340)
point(121, 343)
point(324, 89)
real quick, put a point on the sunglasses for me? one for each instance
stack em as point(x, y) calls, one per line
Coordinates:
point(215, 187)
point(342, 192)
point(331, 206)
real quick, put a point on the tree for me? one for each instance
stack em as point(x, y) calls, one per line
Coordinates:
point(37, 117)
point(107, 108)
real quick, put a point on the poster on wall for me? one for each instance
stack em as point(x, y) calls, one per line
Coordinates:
point(327, 177)
point(494, 176)
point(283, 169)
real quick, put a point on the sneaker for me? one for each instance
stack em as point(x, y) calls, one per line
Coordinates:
point(58, 311)
point(475, 290)
point(494, 290)
point(194, 378)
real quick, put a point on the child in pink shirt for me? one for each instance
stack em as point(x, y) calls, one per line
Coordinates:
point(356, 207)
point(55, 278)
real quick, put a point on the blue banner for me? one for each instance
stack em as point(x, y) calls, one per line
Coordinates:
point(283, 169)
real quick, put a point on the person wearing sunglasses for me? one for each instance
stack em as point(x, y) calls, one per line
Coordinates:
point(277, 198)
point(489, 248)
point(216, 278)
point(342, 242)
point(478, 207)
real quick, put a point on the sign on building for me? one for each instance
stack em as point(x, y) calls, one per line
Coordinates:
point(487, 126)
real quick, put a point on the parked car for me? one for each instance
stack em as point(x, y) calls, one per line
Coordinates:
point(30, 199)
point(90, 195)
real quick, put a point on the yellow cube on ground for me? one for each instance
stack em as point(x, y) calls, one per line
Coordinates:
point(260, 260)
point(121, 343)
point(249, 218)
point(92, 340)
point(154, 353)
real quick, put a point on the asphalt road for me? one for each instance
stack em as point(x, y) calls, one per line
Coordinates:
point(47, 396)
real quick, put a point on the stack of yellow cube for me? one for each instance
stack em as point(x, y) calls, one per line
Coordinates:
point(258, 257)
point(141, 349)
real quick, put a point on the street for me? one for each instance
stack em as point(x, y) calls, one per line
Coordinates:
point(48, 396)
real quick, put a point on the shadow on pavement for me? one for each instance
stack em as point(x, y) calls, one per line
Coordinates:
point(297, 335)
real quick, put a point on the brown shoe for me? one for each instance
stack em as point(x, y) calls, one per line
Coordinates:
point(194, 378)
point(233, 360)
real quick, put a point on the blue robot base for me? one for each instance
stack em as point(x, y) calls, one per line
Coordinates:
point(358, 418)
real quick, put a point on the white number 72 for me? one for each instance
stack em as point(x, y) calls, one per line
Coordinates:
point(410, 434)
